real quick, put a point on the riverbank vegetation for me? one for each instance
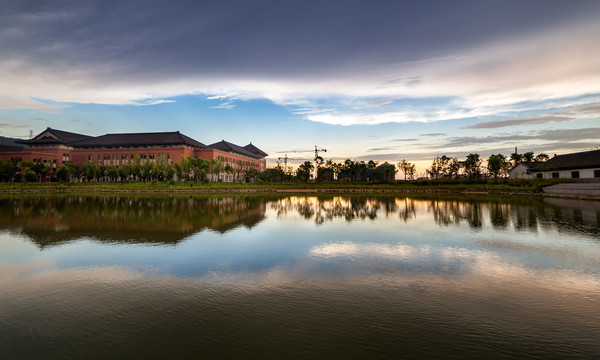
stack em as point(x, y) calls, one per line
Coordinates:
point(192, 172)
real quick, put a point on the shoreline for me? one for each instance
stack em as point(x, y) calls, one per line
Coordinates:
point(284, 190)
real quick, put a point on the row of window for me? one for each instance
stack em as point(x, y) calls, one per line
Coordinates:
point(115, 157)
point(574, 175)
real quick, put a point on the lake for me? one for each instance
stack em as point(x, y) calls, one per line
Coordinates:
point(277, 277)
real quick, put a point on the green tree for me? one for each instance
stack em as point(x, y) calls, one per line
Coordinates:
point(304, 170)
point(62, 173)
point(472, 166)
point(542, 157)
point(497, 165)
point(8, 170)
point(229, 169)
point(91, 170)
point(136, 166)
point(528, 156)
point(217, 167)
point(516, 158)
point(112, 172)
point(148, 170)
point(160, 168)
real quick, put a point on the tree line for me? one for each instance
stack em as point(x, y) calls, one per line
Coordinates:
point(187, 169)
point(497, 165)
point(197, 169)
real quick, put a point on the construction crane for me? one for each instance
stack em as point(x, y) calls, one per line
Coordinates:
point(316, 150)
point(285, 159)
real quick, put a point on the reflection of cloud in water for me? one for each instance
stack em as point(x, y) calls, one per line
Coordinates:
point(355, 250)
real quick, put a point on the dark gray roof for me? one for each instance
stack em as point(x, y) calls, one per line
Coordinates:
point(580, 160)
point(139, 139)
point(229, 147)
point(60, 137)
point(253, 149)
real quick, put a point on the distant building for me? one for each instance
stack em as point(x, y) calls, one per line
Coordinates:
point(55, 147)
point(581, 165)
point(524, 170)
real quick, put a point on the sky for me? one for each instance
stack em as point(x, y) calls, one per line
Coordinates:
point(380, 80)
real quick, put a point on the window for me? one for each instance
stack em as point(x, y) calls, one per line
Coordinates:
point(90, 157)
point(539, 175)
point(574, 174)
point(555, 175)
point(597, 173)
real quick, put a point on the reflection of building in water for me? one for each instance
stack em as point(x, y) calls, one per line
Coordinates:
point(49, 221)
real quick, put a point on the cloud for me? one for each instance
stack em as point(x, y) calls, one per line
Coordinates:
point(293, 53)
point(224, 105)
point(12, 126)
point(432, 134)
point(562, 137)
point(407, 140)
point(519, 122)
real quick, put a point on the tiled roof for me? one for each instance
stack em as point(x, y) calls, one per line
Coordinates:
point(53, 136)
point(580, 160)
point(229, 147)
point(253, 149)
point(139, 139)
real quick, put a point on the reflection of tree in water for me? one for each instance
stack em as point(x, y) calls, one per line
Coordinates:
point(328, 208)
point(408, 210)
point(162, 219)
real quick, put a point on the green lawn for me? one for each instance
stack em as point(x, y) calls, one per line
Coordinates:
point(418, 185)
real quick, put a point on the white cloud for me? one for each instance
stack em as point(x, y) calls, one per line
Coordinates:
point(490, 79)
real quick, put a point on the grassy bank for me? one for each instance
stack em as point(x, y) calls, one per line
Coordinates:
point(444, 186)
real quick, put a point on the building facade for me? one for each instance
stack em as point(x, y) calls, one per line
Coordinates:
point(581, 165)
point(55, 147)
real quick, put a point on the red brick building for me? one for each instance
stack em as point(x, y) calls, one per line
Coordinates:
point(54, 147)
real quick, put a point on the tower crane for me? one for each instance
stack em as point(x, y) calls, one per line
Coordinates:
point(285, 159)
point(316, 150)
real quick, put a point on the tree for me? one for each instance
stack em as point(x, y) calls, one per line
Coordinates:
point(136, 166)
point(472, 166)
point(251, 173)
point(112, 172)
point(542, 157)
point(528, 156)
point(229, 169)
point(388, 171)
point(160, 167)
point(436, 168)
point(217, 167)
point(497, 165)
point(91, 170)
point(407, 168)
point(516, 158)
point(8, 170)
point(62, 173)
point(304, 170)
point(147, 170)
point(452, 168)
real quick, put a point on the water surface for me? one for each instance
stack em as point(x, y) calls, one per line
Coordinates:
point(299, 277)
